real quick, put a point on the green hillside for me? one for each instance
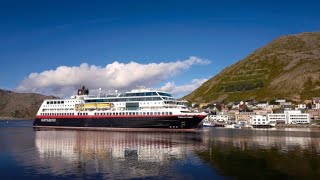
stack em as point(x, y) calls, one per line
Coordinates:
point(287, 67)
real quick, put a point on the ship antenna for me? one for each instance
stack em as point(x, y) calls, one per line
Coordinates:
point(99, 92)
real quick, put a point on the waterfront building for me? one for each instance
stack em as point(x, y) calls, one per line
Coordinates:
point(290, 117)
point(296, 117)
point(279, 118)
point(314, 113)
point(243, 116)
point(219, 117)
point(259, 120)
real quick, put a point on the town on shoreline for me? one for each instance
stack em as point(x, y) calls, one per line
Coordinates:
point(250, 113)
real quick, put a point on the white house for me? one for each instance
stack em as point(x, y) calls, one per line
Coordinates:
point(302, 106)
point(280, 100)
point(262, 105)
point(259, 120)
point(219, 117)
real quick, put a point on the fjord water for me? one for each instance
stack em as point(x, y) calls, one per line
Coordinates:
point(213, 153)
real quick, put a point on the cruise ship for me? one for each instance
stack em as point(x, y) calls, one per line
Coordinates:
point(140, 109)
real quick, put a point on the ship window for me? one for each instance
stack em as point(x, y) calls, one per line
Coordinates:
point(170, 113)
point(147, 113)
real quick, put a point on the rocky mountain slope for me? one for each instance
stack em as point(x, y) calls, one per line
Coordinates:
point(288, 67)
point(20, 105)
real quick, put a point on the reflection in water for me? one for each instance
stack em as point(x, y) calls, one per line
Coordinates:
point(253, 154)
point(123, 155)
point(210, 154)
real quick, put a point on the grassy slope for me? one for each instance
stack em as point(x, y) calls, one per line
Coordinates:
point(287, 67)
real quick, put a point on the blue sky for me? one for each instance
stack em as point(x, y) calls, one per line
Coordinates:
point(38, 36)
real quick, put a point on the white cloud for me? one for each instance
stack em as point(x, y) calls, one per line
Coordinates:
point(64, 80)
point(182, 90)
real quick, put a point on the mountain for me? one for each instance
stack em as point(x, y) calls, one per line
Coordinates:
point(20, 105)
point(288, 67)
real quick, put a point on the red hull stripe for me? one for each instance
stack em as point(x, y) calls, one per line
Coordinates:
point(116, 116)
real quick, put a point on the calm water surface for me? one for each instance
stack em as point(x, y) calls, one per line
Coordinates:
point(214, 153)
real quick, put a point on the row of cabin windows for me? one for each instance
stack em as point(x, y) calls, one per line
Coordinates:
point(124, 99)
point(134, 113)
point(139, 94)
point(59, 102)
point(58, 114)
point(110, 113)
point(63, 114)
point(58, 105)
point(55, 102)
point(82, 114)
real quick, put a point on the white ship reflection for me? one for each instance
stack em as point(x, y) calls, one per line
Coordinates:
point(129, 155)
